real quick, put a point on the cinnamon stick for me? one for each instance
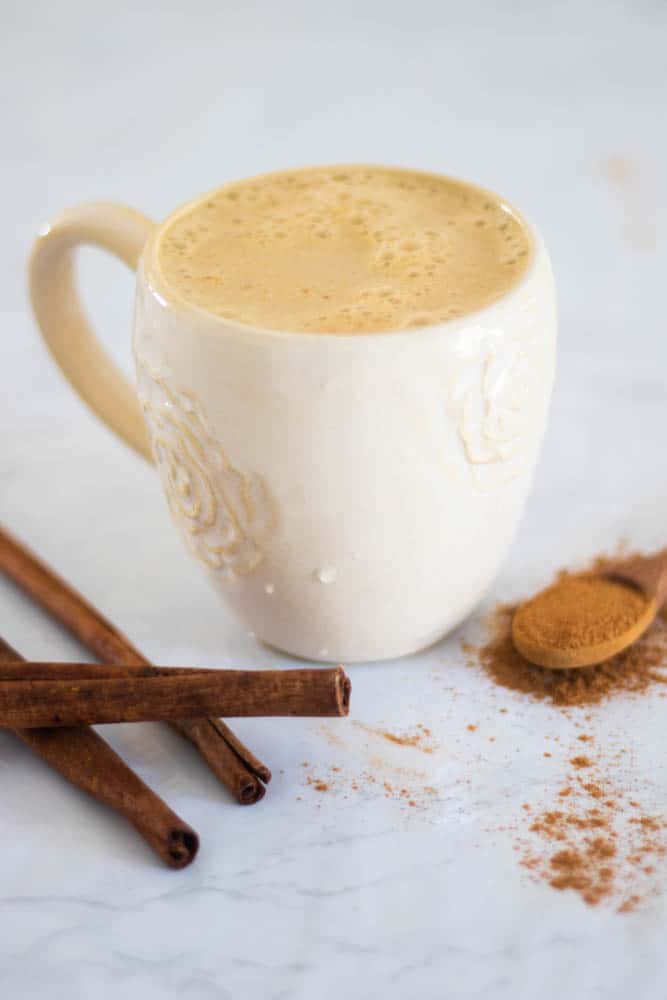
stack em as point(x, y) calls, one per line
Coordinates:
point(91, 698)
point(207, 735)
point(86, 760)
point(43, 671)
point(232, 762)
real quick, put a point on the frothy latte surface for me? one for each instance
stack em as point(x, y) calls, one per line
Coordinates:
point(343, 250)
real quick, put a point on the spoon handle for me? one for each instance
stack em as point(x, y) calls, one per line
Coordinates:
point(649, 573)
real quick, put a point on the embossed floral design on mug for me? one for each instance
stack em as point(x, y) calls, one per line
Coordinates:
point(345, 376)
point(223, 515)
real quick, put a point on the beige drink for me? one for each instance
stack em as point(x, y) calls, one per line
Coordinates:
point(344, 250)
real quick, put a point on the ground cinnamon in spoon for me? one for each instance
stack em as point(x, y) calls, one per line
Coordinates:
point(579, 611)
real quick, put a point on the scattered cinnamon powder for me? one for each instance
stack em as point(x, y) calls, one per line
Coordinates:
point(581, 761)
point(415, 797)
point(384, 773)
point(629, 905)
point(401, 741)
point(594, 847)
point(420, 739)
point(647, 822)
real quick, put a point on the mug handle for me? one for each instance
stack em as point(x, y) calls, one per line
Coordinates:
point(62, 321)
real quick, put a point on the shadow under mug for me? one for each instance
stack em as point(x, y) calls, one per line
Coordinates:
point(350, 496)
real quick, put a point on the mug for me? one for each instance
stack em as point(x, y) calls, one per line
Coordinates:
point(350, 496)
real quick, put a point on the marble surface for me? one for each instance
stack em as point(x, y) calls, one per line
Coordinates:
point(349, 891)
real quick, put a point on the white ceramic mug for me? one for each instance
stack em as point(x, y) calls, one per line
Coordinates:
point(351, 496)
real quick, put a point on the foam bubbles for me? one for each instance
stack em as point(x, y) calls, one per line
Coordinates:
point(344, 250)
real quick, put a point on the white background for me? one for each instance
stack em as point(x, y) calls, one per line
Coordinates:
point(562, 109)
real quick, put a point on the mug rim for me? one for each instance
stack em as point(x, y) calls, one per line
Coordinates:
point(168, 297)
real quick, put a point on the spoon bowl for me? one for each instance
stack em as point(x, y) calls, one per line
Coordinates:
point(559, 658)
point(580, 636)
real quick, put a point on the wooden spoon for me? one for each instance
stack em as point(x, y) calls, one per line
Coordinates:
point(648, 574)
